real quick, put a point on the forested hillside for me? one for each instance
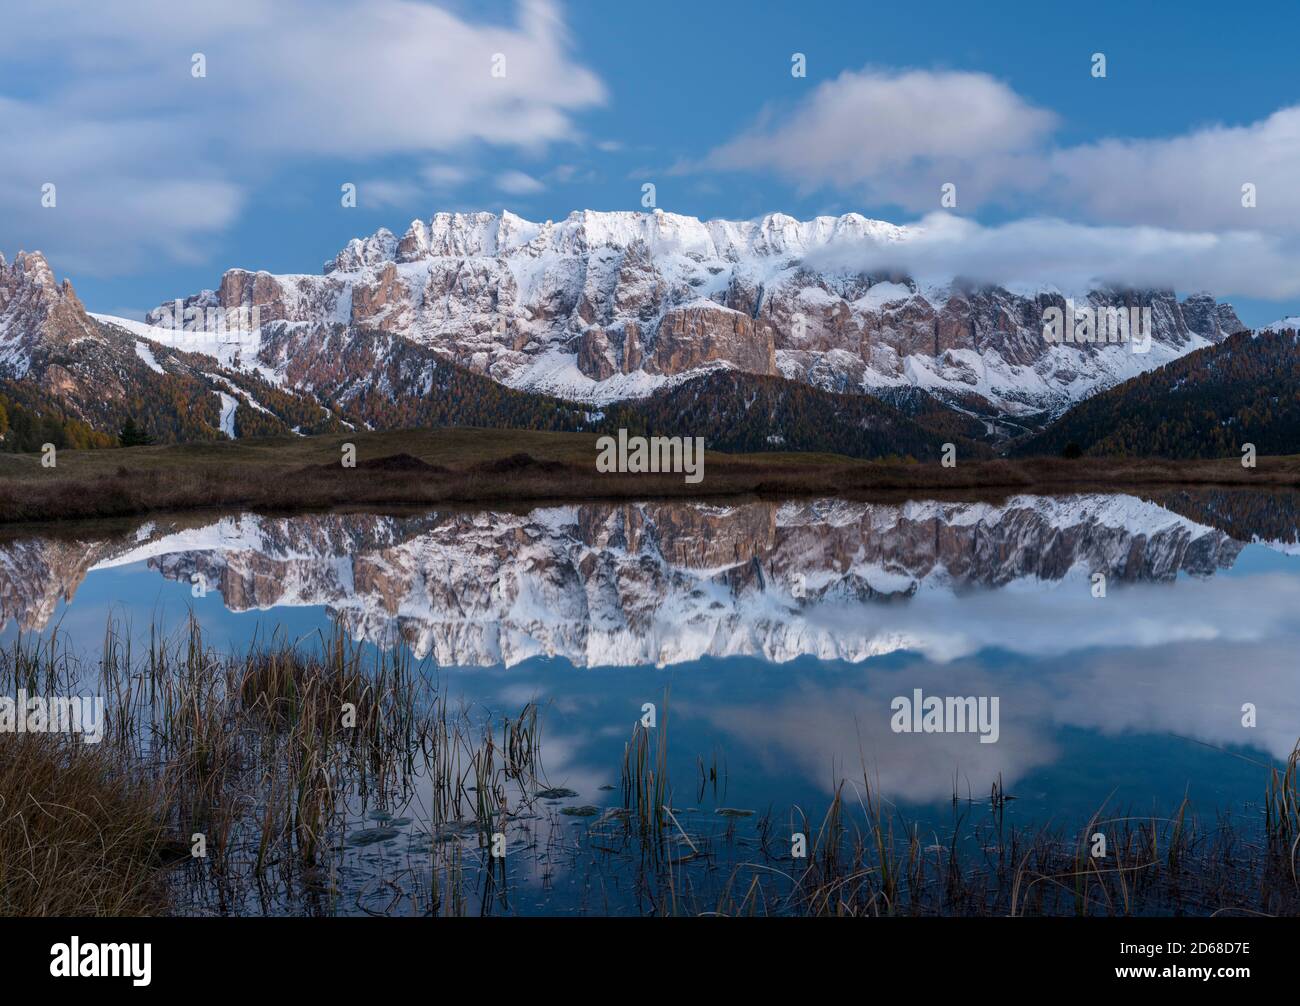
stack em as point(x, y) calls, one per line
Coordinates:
point(1207, 404)
point(750, 412)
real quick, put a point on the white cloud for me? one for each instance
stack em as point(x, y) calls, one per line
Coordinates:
point(896, 137)
point(117, 191)
point(388, 192)
point(1192, 181)
point(1036, 252)
point(1161, 212)
point(431, 182)
point(150, 160)
point(516, 183)
point(445, 176)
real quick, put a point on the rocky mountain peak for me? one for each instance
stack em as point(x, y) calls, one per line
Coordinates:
point(1208, 318)
point(29, 278)
point(34, 268)
point(38, 315)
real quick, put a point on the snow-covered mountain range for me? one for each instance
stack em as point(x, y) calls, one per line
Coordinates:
point(606, 306)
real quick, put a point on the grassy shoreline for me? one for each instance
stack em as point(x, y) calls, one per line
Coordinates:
point(466, 465)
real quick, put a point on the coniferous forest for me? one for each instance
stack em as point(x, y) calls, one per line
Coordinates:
point(1207, 404)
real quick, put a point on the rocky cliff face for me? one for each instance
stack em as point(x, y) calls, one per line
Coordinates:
point(641, 583)
point(603, 306)
point(46, 334)
point(56, 359)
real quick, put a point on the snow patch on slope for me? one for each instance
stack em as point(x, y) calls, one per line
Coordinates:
point(229, 404)
point(143, 351)
point(235, 348)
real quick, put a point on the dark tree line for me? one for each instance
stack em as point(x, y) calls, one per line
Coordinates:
point(26, 427)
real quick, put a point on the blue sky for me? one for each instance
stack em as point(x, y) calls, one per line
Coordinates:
point(165, 180)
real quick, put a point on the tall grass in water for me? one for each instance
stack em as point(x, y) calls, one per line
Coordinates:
point(866, 861)
point(1282, 811)
point(646, 792)
point(263, 758)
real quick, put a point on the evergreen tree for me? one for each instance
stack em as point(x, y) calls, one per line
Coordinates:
point(132, 435)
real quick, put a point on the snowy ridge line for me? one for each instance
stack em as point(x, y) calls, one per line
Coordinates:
point(489, 235)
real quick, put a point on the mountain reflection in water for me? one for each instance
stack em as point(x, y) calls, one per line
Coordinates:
point(664, 583)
